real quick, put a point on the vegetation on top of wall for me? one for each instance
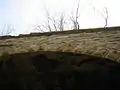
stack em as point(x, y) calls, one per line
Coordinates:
point(90, 30)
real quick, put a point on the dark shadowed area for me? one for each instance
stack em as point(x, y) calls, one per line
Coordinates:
point(58, 71)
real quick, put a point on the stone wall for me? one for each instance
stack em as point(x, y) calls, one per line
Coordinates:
point(102, 42)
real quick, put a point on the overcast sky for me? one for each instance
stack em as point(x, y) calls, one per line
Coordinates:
point(24, 14)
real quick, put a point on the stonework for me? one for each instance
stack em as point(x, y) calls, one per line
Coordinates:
point(102, 42)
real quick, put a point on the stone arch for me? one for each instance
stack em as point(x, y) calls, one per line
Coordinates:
point(46, 70)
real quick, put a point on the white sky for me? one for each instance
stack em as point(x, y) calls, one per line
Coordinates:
point(24, 14)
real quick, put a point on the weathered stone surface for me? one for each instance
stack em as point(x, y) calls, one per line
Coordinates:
point(102, 42)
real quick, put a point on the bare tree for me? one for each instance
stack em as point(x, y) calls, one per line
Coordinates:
point(74, 20)
point(58, 24)
point(51, 22)
point(7, 29)
point(61, 22)
point(54, 22)
point(104, 15)
point(48, 20)
point(39, 27)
